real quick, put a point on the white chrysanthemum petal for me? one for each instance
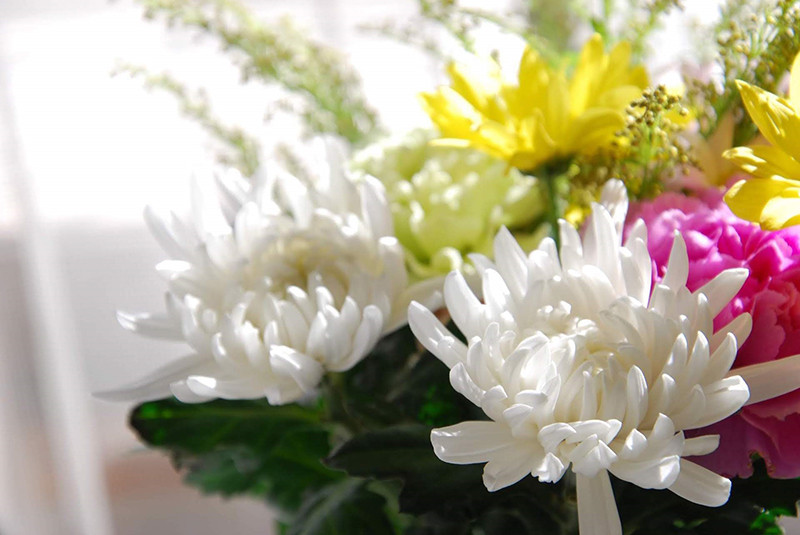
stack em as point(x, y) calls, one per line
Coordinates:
point(466, 310)
point(601, 245)
point(511, 262)
point(510, 464)
point(377, 218)
point(678, 265)
point(701, 445)
point(597, 510)
point(304, 370)
point(740, 327)
point(701, 486)
point(280, 282)
point(151, 325)
point(434, 336)
point(636, 397)
point(723, 398)
point(183, 393)
point(654, 472)
point(165, 235)
point(157, 384)
point(614, 198)
point(212, 387)
point(366, 336)
point(722, 288)
point(232, 191)
point(771, 379)
point(470, 442)
point(580, 362)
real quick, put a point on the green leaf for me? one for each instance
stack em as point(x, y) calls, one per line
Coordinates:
point(242, 447)
point(345, 508)
point(754, 507)
point(405, 452)
point(400, 383)
point(449, 498)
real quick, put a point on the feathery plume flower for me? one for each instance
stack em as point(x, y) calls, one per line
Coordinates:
point(772, 197)
point(545, 115)
point(577, 362)
point(716, 240)
point(447, 202)
point(274, 285)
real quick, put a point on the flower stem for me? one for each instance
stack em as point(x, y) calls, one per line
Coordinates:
point(553, 211)
point(335, 405)
point(551, 176)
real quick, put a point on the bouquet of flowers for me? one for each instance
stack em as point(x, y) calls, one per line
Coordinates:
point(571, 305)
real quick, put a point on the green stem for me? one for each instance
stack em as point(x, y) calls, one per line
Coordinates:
point(550, 175)
point(553, 212)
point(336, 408)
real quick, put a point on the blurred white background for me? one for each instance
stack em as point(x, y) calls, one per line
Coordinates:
point(81, 154)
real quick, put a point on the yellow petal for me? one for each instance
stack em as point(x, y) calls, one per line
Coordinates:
point(496, 139)
point(451, 113)
point(783, 211)
point(593, 129)
point(556, 110)
point(526, 160)
point(586, 72)
point(469, 87)
point(480, 89)
point(533, 71)
point(618, 98)
point(748, 199)
point(617, 69)
point(774, 116)
point(764, 161)
point(638, 77)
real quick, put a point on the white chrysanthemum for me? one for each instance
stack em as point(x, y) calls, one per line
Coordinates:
point(273, 285)
point(577, 362)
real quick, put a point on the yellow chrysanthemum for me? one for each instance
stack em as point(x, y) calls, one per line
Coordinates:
point(545, 115)
point(772, 197)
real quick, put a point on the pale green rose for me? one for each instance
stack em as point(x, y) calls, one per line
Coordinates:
point(448, 202)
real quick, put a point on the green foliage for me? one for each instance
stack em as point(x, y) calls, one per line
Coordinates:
point(345, 508)
point(754, 507)
point(241, 447)
point(383, 477)
point(461, 22)
point(447, 498)
point(328, 88)
point(240, 149)
point(397, 383)
point(452, 499)
point(640, 18)
point(756, 43)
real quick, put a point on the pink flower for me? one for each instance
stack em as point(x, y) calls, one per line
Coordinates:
point(717, 240)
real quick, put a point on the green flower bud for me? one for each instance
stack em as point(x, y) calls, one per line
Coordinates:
point(448, 202)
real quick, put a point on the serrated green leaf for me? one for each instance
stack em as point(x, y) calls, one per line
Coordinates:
point(344, 508)
point(242, 447)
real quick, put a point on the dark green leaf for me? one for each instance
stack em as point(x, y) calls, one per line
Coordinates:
point(238, 447)
point(450, 498)
point(753, 508)
point(400, 383)
point(345, 508)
